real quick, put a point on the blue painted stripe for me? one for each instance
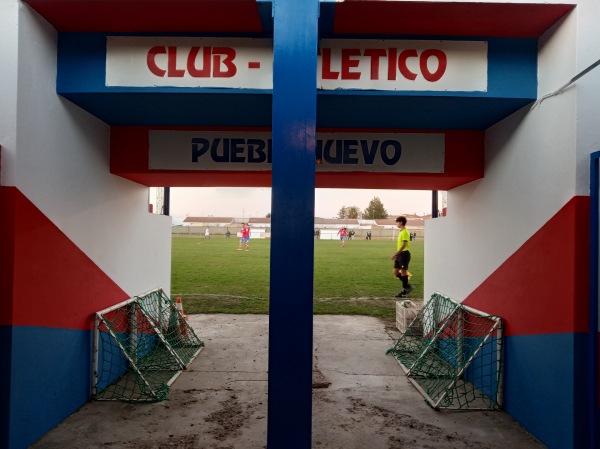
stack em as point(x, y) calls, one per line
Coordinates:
point(81, 62)
point(334, 110)
point(5, 383)
point(338, 109)
point(483, 368)
point(543, 389)
point(177, 109)
point(112, 364)
point(512, 69)
point(481, 371)
point(49, 377)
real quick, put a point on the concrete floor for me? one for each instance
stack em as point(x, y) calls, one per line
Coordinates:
point(364, 401)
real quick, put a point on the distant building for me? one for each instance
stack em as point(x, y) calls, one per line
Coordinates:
point(328, 227)
point(208, 221)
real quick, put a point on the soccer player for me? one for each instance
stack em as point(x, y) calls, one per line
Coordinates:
point(343, 232)
point(245, 237)
point(401, 257)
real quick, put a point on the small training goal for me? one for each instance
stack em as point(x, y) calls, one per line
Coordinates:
point(140, 347)
point(452, 354)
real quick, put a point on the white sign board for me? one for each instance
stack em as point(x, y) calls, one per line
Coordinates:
point(189, 62)
point(403, 65)
point(335, 152)
point(412, 65)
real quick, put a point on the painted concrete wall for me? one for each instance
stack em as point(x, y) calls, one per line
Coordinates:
point(75, 238)
point(516, 243)
point(588, 94)
point(66, 173)
point(529, 175)
point(8, 90)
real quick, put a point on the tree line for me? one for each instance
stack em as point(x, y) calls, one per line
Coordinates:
point(374, 211)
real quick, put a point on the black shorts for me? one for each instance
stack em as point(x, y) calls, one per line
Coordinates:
point(402, 260)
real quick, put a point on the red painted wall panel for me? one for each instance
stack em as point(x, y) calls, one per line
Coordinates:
point(543, 288)
point(7, 248)
point(463, 164)
point(54, 284)
point(351, 17)
point(150, 16)
point(447, 18)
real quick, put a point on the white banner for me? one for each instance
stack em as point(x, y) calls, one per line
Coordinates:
point(411, 65)
point(335, 152)
point(403, 65)
point(189, 62)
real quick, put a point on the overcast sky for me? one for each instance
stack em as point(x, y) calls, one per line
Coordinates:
point(256, 202)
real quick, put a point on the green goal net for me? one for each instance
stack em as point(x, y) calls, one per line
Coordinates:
point(140, 347)
point(453, 355)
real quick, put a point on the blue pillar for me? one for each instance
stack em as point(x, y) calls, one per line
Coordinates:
point(292, 222)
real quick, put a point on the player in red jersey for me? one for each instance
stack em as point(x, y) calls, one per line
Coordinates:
point(343, 232)
point(245, 237)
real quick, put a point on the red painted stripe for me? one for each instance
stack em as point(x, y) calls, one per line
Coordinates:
point(543, 288)
point(150, 16)
point(54, 284)
point(351, 17)
point(446, 18)
point(7, 245)
point(463, 164)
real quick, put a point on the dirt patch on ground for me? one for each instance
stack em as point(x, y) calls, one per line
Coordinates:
point(171, 442)
point(406, 431)
point(229, 419)
point(319, 380)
